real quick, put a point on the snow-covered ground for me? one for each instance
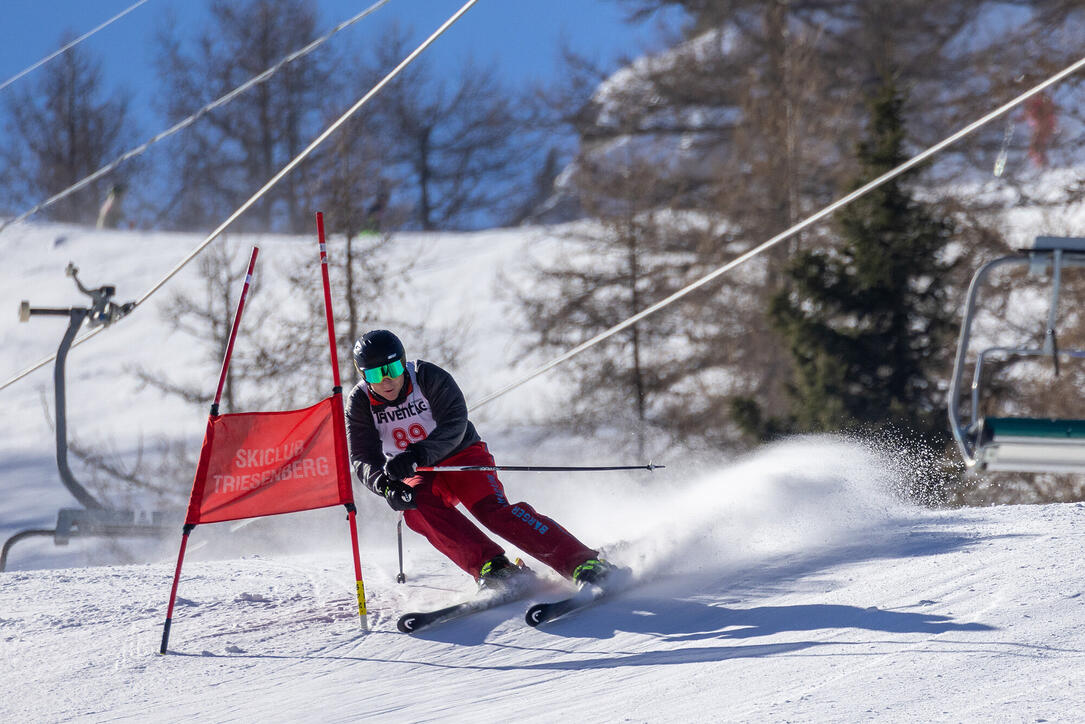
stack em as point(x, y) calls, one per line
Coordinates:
point(791, 585)
point(787, 589)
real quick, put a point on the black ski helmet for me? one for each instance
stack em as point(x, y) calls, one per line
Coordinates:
point(376, 349)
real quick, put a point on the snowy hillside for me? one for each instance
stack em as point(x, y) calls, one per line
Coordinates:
point(786, 588)
point(462, 282)
point(792, 585)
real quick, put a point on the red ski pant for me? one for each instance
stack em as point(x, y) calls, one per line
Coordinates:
point(453, 533)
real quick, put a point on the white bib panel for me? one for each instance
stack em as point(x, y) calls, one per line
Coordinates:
point(409, 421)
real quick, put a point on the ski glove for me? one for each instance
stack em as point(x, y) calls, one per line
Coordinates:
point(401, 466)
point(400, 496)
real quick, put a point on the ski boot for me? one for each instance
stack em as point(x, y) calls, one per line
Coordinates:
point(499, 574)
point(597, 572)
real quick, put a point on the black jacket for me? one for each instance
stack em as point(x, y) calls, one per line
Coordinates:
point(453, 433)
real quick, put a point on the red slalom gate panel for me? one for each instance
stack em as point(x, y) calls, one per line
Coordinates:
point(266, 463)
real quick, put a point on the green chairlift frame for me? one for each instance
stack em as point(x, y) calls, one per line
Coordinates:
point(1018, 444)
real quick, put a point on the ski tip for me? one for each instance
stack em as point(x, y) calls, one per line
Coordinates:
point(406, 624)
point(534, 615)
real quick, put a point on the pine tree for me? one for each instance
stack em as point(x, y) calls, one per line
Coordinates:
point(867, 322)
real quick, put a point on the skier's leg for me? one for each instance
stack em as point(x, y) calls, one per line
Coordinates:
point(537, 535)
point(450, 531)
point(484, 495)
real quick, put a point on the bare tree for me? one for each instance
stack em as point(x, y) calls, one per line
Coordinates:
point(280, 357)
point(366, 280)
point(459, 146)
point(749, 122)
point(354, 185)
point(956, 60)
point(207, 319)
point(238, 147)
point(710, 131)
point(629, 255)
point(58, 132)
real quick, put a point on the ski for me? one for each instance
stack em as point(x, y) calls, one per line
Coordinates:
point(418, 620)
point(588, 594)
point(540, 613)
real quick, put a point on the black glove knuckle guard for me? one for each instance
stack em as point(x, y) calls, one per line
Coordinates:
point(399, 496)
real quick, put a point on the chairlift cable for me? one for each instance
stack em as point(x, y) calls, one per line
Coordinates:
point(274, 180)
point(787, 233)
point(70, 45)
point(186, 122)
point(796, 228)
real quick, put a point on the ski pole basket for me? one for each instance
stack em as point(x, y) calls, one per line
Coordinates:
point(1017, 443)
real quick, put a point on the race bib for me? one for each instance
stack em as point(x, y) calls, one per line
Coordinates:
point(409, 421)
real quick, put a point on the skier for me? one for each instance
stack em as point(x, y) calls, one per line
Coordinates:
point(404, 415)
point(109, 215)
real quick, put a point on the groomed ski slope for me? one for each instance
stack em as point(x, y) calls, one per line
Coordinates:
point(791, 586)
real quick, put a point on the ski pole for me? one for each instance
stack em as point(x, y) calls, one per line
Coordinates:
point(402, 577)
point(533, 468)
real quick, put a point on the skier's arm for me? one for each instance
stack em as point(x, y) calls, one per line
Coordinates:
point(366, 455)
point(449, 410)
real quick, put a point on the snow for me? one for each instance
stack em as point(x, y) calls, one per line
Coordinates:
point(790, 585)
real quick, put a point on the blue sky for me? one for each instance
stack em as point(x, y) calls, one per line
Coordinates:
point(521, 36)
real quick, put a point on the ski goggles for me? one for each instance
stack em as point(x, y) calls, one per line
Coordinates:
point(374, 375)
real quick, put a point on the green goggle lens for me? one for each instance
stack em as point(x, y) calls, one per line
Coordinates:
point(375, 375)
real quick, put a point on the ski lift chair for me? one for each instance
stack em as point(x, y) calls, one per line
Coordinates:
point(94, 519)
point(1019, 444)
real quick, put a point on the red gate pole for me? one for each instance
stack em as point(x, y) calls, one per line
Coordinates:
point(328, 299)
point(342, 459)
point(173, 591)
point(197, 485)
point(233, 332)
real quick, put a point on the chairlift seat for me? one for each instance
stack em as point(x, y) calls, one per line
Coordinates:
point(1018, 444)
point(1036, 444)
